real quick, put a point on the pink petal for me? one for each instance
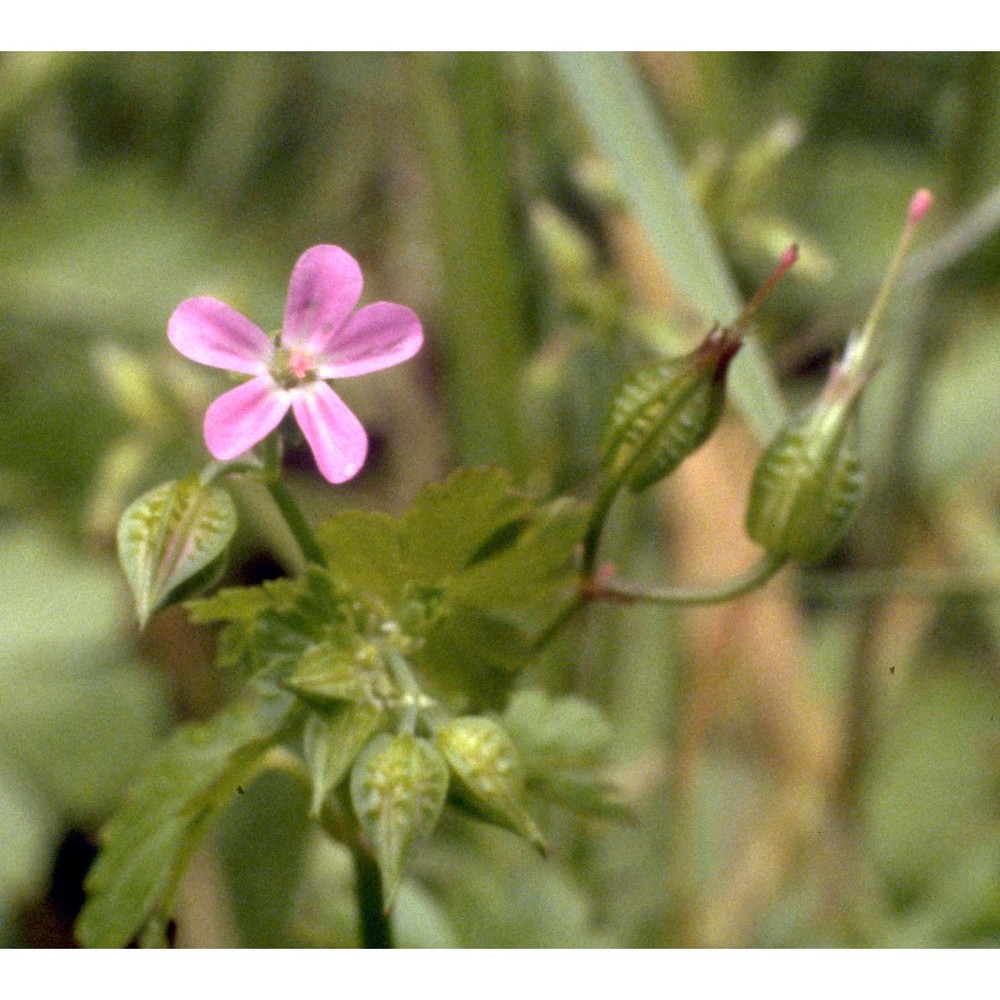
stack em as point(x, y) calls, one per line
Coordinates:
point(240, 418)
point(378, 336)
point(212, 333)
point(324, 288)
point(338, 441)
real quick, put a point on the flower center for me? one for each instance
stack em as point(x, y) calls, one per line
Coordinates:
point(300, 363)
point(292, 365)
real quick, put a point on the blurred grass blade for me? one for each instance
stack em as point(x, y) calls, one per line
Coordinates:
point(625, 126)
point(458, 116)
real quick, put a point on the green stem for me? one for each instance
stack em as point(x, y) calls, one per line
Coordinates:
point(679, 597)
point(859, 361)
point(295, 520)
point(376, 931)
point(287, 505)
point(598, 516)
point(863, 585)
point(216, 469)
point(403, 676)
point(559, 622)
point(728, 590)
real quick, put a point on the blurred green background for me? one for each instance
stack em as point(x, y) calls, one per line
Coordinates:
point(815, 766)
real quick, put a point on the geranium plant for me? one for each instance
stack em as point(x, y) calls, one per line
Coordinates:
point(382, 676)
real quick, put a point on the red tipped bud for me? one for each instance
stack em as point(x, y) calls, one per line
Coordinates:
point(808, 483)
point(664, 411)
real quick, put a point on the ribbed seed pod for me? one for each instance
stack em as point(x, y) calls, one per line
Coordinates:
point(807, 486)
point(664, 411)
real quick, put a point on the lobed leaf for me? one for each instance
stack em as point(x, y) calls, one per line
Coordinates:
point(185, 786)
point(535, 568)
point(470, 657)
point(446, 528)
point(363, 553)
point(268, 628)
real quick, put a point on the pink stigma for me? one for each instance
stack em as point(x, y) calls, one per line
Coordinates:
point(788, 258)
point(920, 204)
point(300, 363)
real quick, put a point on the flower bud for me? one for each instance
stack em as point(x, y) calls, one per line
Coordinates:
point(489, 775)
point(328, 674)
point(808, 483)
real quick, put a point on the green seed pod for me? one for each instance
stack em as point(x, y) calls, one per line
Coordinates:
point(398, 789)
point(808, 483)
point(664, 411)
point(172, 542)
point(330, 743)
point(489, 774)
point(326, 675)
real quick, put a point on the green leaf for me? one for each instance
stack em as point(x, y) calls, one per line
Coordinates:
point(363, 553)
point(490, 776)
point(473, 536)
point(565, 731)
point(471, 872)
point(398, 789)
point(332, 741)
point(185, 786)
point(448, 525)
point(627, 128)
point(269, 628)
point(469, 658)
point(535, 568)
point(175, 534)
point(565, 745)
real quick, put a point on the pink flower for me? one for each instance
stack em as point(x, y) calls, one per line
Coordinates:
point(321, 338)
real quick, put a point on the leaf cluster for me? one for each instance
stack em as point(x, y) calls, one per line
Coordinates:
point(375, 667)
